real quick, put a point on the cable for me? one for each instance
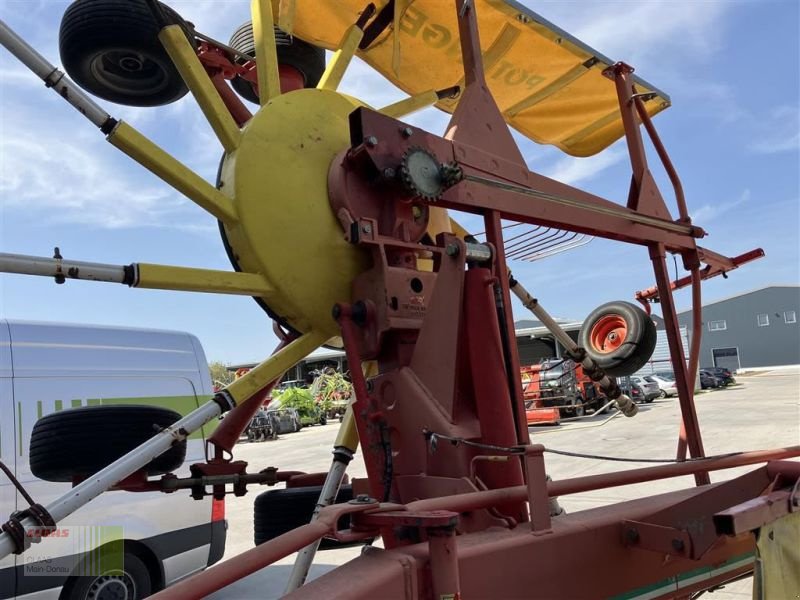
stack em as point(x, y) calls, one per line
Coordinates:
point(433, 437)
point(16, 483)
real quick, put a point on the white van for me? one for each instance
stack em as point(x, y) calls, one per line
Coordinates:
point(45, 368)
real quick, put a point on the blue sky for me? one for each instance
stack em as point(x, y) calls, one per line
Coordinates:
point(732, 70)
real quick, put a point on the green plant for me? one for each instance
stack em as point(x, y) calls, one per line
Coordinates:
point(302, 401)
point(331, 390)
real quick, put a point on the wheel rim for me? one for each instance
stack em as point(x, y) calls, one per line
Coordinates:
point(608, 334)
point(129, 72)
point(112, 587)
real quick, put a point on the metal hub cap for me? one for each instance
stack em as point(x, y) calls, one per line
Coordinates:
point(128, 72)
point(112, 587)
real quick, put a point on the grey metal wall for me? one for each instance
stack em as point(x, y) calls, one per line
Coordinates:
point(775, 344)
point(661, 362)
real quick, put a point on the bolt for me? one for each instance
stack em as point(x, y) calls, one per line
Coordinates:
point(452, 250)
point(371, 141)
point(678, 545)
point(389, 173)
point(406, 131)
point(416, 211)
point(362, 499)
point(366, 228)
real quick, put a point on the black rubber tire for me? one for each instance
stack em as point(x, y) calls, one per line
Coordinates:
point(635, 350)
point(134, 576)
point(277, 511)
point(111, 49)
point(81, 441)
point(323, 420)
point(308, 59)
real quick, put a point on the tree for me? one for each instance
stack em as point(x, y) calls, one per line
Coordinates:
point(220, 375)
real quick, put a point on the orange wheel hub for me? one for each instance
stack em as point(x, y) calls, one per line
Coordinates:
point(608, 334)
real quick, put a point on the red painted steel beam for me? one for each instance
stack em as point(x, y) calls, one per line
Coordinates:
point(494, 182)
point(719, 266)
point(691, 426)
point(588, 483)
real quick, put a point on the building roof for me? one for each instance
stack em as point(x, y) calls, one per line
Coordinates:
point(747, 293)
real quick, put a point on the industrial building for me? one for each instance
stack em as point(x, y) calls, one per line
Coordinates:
point(752, 329)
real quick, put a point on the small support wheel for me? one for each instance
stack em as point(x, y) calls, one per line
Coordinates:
point(292, 51)
point(111, 49)
point(620, 337)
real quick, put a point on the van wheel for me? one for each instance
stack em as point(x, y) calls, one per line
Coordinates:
point(130, 580)
point(111, 49)
point(276, 512)
point(619, 336)
point(81, 441)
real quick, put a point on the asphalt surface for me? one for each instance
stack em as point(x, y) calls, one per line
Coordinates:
point(762, 411)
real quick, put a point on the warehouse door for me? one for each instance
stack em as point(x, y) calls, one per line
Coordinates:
point(727, 358)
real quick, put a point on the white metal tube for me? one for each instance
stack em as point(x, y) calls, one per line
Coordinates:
point(305, 558)
point(52, 77)
point(118, 470)
point(59, 267)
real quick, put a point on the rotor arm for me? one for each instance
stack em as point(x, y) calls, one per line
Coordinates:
point(140, 275)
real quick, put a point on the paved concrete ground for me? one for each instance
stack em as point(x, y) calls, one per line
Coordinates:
point(763, 411)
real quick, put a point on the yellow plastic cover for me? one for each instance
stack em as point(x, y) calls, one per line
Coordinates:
point(548, 85)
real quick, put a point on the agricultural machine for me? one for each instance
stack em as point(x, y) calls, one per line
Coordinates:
point(455, 489)
point(558, 387)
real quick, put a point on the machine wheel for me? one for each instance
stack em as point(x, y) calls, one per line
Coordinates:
point(323, 420)
point(620, 337)
point(662, 394)
point(130, 582)
point(292, 51)
point(111, 49)
point(277, 511)
point(81, 441)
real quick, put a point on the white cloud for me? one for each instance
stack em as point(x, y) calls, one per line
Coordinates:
point(779, 131)
point(61, 178)
point(708, 212)
point(642, 33)
point(572, 170)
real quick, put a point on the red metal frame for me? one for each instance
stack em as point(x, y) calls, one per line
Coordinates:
point(454, 516)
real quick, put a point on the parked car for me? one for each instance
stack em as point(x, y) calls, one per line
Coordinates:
point(102, 388)
point(724, 375)
point(262, 427)
point(666, 386)
point(708, 381)
point(286, 420)
point(650, 388)
point(633, 390)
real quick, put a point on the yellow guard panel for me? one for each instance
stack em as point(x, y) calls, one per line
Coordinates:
point(549, 86)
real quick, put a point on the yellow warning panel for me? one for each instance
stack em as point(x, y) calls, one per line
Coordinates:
point(548, 85)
